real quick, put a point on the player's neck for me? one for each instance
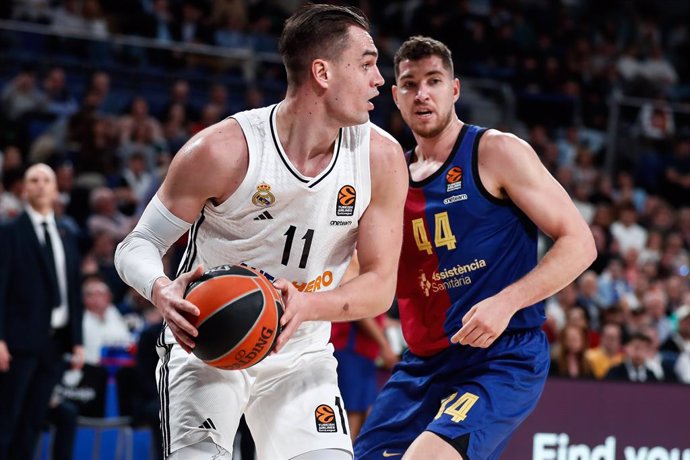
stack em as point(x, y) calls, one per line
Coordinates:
point(437, 148)
point(305, 134)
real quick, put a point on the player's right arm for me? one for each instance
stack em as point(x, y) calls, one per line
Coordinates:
point(210, 166)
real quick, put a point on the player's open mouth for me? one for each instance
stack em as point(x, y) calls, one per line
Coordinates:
point(423, 113)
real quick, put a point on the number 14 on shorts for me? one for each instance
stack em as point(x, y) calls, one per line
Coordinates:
point(459, 408)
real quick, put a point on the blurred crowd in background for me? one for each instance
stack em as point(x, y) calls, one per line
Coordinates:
point(109, 115)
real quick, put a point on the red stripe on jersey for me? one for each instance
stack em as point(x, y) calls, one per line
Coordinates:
point(422, 308)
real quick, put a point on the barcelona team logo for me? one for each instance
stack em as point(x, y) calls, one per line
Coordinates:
point(454, 179)
point(346, 201)
point(263, 197)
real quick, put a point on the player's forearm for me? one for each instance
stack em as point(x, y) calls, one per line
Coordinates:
point(365, 296)
point(139, 264)
point(138, 256)
point(567, 259)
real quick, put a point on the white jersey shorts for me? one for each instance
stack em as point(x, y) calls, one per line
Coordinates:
point(291, 400)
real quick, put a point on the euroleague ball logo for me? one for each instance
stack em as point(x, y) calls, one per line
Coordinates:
point(325, 419)
point(347, 196)
point(454, 179)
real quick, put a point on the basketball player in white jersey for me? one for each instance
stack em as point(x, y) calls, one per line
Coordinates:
point(291, 189)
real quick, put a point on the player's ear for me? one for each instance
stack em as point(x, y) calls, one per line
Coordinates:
point(456, 89)
point(394, 92)
point(321, 72)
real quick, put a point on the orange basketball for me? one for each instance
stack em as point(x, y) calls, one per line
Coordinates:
point(239, 318)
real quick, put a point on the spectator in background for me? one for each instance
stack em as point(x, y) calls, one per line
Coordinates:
point(557, 307)
point(588, 298)
point(608, 353)
point(135, 183)
point(11, 158)
point(662, 368)
point(138, 117)
point(676, 349)
point(218, 96)
point(569, 358)
point(103, 324)
point(656, 122)
point(59, 100)
point(99, 88)
point(357, 346)
point(654, 303)
point(191, 27)
point(627, 191)
point(99, 262)
point(676, 186)
point(634, 366)
point(613, 287)
point(21, 95)
point(179, 94)
point(106, 216)
point(11, 204)
point(626, 231)
point(175, 127)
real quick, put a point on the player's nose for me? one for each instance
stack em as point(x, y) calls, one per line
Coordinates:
point(378, 78)
point(422, 93)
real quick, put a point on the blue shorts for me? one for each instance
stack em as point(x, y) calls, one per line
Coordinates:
point(357, 380)
point(474, 398)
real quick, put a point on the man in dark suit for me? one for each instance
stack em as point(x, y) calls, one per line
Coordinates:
point(40, 313)
point(634, 367)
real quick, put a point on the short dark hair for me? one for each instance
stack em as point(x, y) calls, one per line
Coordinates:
point(639, 336)
point(419, 47)
point(315, 31)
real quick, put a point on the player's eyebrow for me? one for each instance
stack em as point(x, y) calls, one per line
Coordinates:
point(370, 53)
point(408, 75)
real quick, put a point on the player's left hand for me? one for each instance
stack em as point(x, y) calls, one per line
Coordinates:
point(484, 323)
point(295, 303)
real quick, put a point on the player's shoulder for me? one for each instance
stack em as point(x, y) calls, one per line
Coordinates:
point(500, 146)
point(214, 147)
point(383, 143)
point(387, 160)
point(499, 140)
point(211, 161)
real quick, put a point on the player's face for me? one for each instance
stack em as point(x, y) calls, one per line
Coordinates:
point(40, 187)
point(356, 79)
point(425, 93)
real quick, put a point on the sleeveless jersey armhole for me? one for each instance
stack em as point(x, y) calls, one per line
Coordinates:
point(243, 188)
point(477, 178)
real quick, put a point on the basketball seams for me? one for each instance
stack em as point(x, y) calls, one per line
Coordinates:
point(250, 331)
point(227, 304)
point(240, 308)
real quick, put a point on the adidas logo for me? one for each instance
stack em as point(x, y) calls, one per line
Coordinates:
point(263, 216)
point(208, 424)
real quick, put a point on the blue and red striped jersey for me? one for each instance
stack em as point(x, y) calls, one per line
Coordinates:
point(460, 246)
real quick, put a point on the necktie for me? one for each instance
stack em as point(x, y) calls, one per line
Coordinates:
point(48, 249)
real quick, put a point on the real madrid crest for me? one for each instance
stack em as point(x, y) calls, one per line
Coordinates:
point(263, 197)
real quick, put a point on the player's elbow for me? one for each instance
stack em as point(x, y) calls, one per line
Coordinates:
point(587, 249)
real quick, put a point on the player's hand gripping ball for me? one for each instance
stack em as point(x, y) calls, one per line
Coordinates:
point(239, 317)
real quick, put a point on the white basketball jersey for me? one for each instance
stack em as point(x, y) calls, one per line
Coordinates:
point(300, 228)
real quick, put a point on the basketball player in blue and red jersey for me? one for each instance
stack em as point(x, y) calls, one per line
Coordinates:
point(291, 189)
point(470, 288)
